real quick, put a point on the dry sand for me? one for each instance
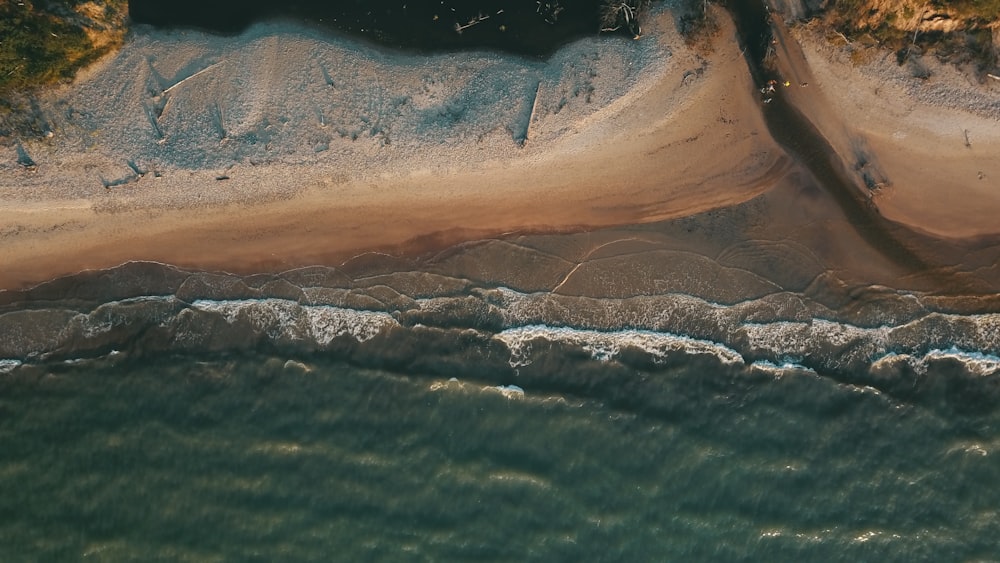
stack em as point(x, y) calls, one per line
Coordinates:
point(281, 148)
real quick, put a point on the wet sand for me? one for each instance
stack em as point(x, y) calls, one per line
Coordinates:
point(663, 147)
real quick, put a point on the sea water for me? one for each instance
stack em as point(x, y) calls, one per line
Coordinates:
point(148, 412)
point(260, 457)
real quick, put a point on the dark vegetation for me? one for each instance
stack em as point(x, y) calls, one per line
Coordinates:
point(848, 13)
point(47, 41)
point(695, 21)
point(969, 45)
point(533, 28)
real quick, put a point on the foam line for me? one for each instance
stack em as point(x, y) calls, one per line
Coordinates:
point(605, 346)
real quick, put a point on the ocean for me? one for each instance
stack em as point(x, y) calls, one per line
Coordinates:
point(788, 379)
point(153, 413)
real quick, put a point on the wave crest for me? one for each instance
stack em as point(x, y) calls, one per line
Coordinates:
point(439, 324)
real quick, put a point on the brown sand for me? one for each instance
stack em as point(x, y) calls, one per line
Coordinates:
point(677, 146)
point(687, 138)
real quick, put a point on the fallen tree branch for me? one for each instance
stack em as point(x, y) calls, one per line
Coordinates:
point(206, 69)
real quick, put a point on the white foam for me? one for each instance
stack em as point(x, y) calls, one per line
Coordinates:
point(867, 536)
point(510, 391)
point(976, 362)
point(286, 319)
point(782, 368)
point(7, 366)
point(797, 340)
point(979, 363)
point(605, 346)
point(113, 314)
point(327, 323)
point(970, 448)
point(875, 345)
point(451, 384)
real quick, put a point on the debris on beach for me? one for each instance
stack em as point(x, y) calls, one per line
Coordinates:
point(549, 11)
point(769, 90)
point(618, 14)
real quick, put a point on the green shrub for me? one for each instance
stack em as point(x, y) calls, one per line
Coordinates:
point(44, 42)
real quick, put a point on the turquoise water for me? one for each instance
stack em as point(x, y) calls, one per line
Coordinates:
point(252, 457)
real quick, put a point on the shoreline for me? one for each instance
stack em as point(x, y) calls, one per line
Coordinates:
point(680, 134)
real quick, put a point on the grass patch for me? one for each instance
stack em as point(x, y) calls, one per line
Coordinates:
point(970, 44)
point(44, 42)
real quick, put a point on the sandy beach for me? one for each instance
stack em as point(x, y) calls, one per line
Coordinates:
point(282, 147)
point(927, 146)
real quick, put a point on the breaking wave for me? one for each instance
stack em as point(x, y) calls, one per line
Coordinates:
point(445, 326)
